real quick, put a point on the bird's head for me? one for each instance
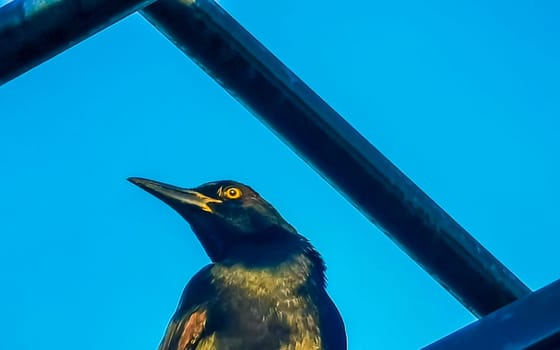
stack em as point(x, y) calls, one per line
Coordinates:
point(225, 215)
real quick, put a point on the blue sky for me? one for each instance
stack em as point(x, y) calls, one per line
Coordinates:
point(462, 97)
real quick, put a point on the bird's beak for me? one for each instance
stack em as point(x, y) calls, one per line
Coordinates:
point(176, 197)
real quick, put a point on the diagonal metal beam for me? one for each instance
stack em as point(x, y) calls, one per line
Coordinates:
point(32, 31)
point(531, 323)
point(245, 68)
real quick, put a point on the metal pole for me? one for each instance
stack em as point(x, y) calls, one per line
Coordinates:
point(244, 67)
point(532, 322)
point(32, 31)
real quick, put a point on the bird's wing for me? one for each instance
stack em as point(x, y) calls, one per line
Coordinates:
point(185, 332)
point(187, 329)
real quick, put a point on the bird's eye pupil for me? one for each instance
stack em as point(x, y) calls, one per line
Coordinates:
point(232, 193)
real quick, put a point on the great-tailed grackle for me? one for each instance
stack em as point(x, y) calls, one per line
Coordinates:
point(265, 287)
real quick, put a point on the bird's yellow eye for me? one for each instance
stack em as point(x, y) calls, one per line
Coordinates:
point(232, 193)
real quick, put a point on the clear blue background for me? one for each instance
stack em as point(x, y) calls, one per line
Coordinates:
point(463, 97)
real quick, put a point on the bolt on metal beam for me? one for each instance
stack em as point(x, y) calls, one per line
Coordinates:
point(255, 77)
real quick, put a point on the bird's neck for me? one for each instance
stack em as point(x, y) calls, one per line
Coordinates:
point(289, 251)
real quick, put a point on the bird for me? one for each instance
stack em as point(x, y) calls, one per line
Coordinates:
point(265, 288)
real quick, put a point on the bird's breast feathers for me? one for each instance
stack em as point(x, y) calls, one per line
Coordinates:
point(264, 281)
point(273, 298)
